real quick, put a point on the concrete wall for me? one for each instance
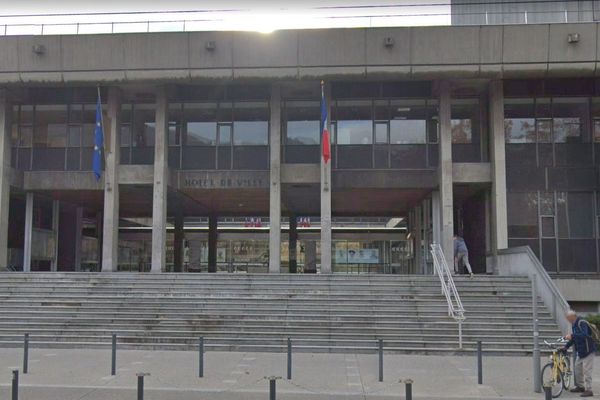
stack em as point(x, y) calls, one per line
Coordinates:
point(418, 52)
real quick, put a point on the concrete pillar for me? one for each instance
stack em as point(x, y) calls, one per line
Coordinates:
point(110, 244)
point(275, 182)
point(55, 227)
point(178, 239)
point(5, 168)
point(293, 244)
point(436, 214)
point(498, 164)
point(100, 235)
point(445, 173)
point(28, 232)
point(326, 187)
point(159, 197)
point(213, 225)
point(78, 237)
point(418, 214)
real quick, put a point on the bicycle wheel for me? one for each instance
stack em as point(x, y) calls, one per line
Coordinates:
point(567, 374)
point(556, 382)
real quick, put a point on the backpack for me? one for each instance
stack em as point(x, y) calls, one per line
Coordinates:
point(595, 332)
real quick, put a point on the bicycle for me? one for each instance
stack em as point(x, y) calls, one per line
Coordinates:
point(557, 373)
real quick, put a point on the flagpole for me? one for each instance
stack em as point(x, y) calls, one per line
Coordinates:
point(102, 126)
point(325, 177)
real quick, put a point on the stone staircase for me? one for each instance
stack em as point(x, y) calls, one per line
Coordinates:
point(239, 312)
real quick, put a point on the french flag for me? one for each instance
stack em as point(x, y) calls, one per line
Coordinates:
point(325, 141)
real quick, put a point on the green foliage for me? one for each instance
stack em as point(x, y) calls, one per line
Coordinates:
point(594, 319)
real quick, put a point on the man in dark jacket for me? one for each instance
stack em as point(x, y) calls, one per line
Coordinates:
point(585, 348)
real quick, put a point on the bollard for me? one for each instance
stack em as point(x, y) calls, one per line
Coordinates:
point(15, 385)
point(380, 360)
point(289, 358)
point(140, 384)
point(273, 387)
point(113, 362)
point(479, 363)
point(201, 357)
point(408, 383)
point(547, 392)
point(26, 353)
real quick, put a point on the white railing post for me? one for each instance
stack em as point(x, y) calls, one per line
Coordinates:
point(455, 306)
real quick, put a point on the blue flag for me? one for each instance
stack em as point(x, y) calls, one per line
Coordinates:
point(98, 142)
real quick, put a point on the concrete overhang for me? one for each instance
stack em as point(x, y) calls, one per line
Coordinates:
point(385, 179)
point(300, 173)
point(471, 172)
point(60, 180)
point(536, 50)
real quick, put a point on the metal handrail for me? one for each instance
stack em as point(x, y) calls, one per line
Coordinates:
point(455, 306)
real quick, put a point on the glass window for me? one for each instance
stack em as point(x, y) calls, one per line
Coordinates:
point(408, 131)
point(381, 132)
point(50, 126)
point(74, 139)
point(548, 227)
point(547, 203)
point(26, 136)
point(224, 135)
point(519, 121)
point(201, 124)
point(522, 214)
point(251, 125)
point(354, 122)
point(596, 130)
point(89, 125)
point(302, 122)
point(143, 129)
point(544, 130)
point(568, 114)
point(462, 132)
point(125, 135)
point(581, 215)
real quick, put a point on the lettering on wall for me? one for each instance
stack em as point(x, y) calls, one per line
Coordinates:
point(224, 183)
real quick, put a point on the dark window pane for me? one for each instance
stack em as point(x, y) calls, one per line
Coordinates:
point(50, 126)
point(545, 155)
point(569, 115)
point(48, 159)
point(142, 155)
point(201, 134)
point(533, 243)
point(302, 154)
point(174, 154)
point(125, 135)
point(24, 157)
point(408, 156)
point(143, 128)
point(73, 159)
point(522, 215)
point(381, 156)
point(87, 154)
point(577, 255)
point(561, 214)
point(525, 178)
point(573, 154)
point(224, 153)
point(548, 227)
point(581, 215)
point(466, 152)
point(198, 157)
point(521, 154)
point(74, 138)
point(251, 157)
point(354, 156)
point(549, 254)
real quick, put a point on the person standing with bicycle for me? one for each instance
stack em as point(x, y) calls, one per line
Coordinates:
point(583, 339)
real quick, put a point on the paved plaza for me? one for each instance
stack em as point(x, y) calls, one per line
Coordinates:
point(85, 374)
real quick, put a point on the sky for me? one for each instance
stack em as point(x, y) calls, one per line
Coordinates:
point(27, 16)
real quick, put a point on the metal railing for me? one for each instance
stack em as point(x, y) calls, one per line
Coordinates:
point(455, 306)
point(432, 14)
